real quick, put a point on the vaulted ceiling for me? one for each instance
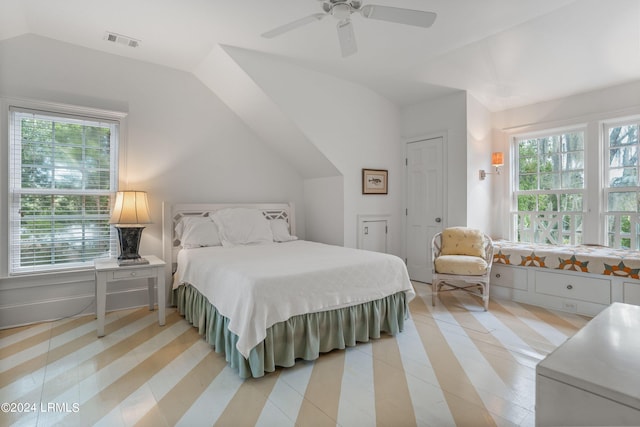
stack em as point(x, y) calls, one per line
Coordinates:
point(505, 53)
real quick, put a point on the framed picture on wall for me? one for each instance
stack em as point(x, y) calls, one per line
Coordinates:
point(374, 181)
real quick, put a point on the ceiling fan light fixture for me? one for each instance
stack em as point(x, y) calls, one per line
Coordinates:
point(341, 11)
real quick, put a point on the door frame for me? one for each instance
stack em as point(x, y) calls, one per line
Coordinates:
point(405, 183)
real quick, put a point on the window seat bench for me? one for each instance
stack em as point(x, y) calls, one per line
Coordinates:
point(582, 279)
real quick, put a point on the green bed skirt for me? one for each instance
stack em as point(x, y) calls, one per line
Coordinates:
point(301, 337)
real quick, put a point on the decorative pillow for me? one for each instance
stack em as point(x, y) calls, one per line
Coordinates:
point(461, 264)
point(462, 241)
point(197, 232)
point(242, 226)
point(280, 230)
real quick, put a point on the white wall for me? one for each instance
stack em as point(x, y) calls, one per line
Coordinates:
point(182, 145)
point(446, 115)
point(220, 73)
point(479, 149)
point(501, 187)
point(585, 105)
point(324, 209)
point(352, 126)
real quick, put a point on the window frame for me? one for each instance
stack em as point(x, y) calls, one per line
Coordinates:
point(574, 236)
point(607, 216)
point(65, 112)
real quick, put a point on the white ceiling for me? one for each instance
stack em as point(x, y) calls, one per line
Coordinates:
point(506, 53)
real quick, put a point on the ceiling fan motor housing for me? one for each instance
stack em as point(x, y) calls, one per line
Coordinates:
point(341, 9)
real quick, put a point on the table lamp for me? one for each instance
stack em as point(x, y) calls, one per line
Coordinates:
point(130, 211)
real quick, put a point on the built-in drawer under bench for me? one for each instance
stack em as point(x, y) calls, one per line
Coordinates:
point(579, 279)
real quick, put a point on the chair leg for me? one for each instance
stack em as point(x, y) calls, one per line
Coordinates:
point(480, 287)
point(485, 296)
point(434, 292)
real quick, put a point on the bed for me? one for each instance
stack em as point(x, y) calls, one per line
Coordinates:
point(263, 298)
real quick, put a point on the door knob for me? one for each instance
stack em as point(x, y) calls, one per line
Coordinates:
point(438, 219)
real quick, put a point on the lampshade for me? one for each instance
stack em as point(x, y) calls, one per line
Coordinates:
point(497, 159)
point(131, 207)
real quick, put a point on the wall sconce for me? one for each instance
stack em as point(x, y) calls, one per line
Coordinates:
point(130, 212)
point(497, 161)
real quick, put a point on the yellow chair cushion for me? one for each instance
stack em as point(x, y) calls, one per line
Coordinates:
point(462, 241)
point(461, 264)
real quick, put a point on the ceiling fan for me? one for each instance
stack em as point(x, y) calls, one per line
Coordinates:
point(342, 11)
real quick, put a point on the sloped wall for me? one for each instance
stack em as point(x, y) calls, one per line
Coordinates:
point(181, 144)
point(353, 127)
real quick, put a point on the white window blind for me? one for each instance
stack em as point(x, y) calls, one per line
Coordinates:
point(62, 176)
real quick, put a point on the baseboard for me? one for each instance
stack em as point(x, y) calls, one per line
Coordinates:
point(73, 306)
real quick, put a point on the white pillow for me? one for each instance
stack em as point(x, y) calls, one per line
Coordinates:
point(242, 226)
point(197, 232)
point(280, 230)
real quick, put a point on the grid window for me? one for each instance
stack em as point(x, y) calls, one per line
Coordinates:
point(550, 188)
point(62, 175)
point(622, 191)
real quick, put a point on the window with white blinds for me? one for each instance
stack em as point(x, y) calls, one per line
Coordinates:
point(62, 174)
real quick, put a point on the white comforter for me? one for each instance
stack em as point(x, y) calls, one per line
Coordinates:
point(258, 286)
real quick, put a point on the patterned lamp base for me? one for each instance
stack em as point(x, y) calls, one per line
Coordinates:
point(129, 238)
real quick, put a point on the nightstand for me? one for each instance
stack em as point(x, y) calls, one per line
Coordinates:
point(108, 270)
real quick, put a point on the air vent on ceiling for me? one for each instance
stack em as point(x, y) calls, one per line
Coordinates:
point(120, 39)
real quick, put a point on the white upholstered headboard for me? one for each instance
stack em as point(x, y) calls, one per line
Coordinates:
point(172, 213)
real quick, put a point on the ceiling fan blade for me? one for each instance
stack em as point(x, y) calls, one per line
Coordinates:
point(347, 38)
point(293, 25)
point(398, 15)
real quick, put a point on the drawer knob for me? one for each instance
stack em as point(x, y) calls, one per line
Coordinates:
point(569, 287)
point(497, 275)
point(133, 273)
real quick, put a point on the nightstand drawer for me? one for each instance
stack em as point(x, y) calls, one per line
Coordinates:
point(138, 273)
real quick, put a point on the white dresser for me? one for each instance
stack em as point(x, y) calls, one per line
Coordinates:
point(594, 377)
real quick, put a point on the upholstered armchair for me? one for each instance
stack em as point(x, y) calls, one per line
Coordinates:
point(462, 259)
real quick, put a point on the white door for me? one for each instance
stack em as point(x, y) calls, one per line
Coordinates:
point(425, 204)
point(374, 235)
